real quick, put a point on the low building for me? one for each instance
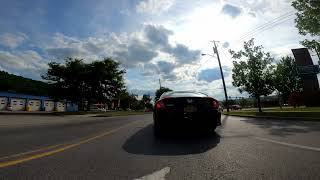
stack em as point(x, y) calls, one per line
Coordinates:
point(24, 102)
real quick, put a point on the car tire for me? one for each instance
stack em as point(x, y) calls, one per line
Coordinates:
point(211, 129)
point(214, 128)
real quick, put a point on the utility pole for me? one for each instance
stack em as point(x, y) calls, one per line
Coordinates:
point(215, 50)
point(160, 83)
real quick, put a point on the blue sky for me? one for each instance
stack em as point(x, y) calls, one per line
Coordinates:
point(151, 38)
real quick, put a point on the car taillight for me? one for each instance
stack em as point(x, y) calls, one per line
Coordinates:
point(215, 104)
point(159, 105)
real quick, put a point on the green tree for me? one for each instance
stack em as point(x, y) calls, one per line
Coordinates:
point(308, 22)
point(136, 104)
point(130, 101)
point(146, 99)
point(287, 79)
point(104, 80)
point(77, 81)
point(244, 102)
point(160, 91)
point(68, 80)
point(254, 73)
point(125, 100)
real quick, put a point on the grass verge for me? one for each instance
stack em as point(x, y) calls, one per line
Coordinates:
point(277, 114)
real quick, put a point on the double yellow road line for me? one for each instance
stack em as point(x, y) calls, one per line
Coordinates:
point(53, 150)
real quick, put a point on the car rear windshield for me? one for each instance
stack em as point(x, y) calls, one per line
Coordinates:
point(183, 94)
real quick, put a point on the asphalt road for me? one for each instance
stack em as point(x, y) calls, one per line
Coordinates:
point(124, 148)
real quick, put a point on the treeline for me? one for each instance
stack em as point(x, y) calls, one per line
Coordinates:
point(259, 74)
point(19, 84)
point(100, 81)
point(79, 82)
point(131, 101)
point(86, 83)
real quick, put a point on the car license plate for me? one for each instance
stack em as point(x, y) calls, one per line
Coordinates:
point(190, 109)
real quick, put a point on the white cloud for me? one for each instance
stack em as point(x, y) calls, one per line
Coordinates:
point(154, 6)
point(231, 10)
point(12, 40)
point(91, 48)
point(213, 74)
point(147, 45)
point(260, 6)
point(27, 61)
point(165, 70)
point(182, 30)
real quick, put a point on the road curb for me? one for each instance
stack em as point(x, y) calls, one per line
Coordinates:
point(63, 114)
point(277, 118)
point(27, 113)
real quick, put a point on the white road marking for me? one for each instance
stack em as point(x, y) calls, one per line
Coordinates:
point(158, 175)
point(289, 144)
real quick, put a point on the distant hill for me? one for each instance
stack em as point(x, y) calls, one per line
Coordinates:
point(19, 84)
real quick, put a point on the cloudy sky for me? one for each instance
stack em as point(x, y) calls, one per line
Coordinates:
point(151, 38)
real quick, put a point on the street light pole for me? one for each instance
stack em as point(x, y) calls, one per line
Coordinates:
point(215, 50)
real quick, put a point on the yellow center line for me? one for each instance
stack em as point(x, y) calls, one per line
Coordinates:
point(29, 152)
point(54, 151)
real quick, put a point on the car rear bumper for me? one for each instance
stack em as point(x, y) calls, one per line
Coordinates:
point(198, 119)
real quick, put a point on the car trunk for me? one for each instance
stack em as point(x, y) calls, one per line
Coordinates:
point(188, 104)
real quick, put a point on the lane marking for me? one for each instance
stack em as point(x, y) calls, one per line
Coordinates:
point(158, 175)
point(289, 144)
point(29, 152)
point(41, 149)
point(55, 151)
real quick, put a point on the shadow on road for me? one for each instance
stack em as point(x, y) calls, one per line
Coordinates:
point(285, 127)
point(143, 142)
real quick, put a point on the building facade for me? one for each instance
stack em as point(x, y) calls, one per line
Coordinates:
point(24, 102)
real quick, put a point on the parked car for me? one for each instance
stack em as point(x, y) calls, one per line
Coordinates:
point(101, 109)
point(179, 109)
point(236, 107)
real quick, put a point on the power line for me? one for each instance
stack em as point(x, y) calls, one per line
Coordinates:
point(200, 65)
point(276, 24)
point(276, 21)
point(266, 24)
point(267, 28)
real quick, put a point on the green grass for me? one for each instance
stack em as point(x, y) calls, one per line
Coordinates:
point(286, 109)
point(104, 114)
point(303, 112)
